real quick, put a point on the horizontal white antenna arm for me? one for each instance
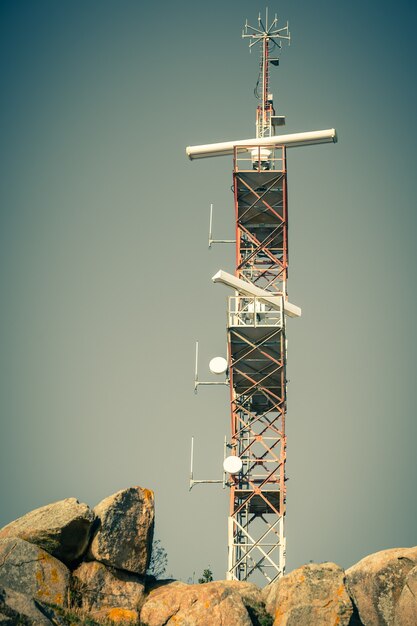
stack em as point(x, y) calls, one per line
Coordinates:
point(250, 290)
point(225, 148)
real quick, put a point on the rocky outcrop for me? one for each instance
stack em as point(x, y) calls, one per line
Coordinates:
point(28, 569)
point(375, 584)
point(312, 594)
point(406, 607)
point(103, 591)
point(63, 529)
point(124, 536)
point(19, 608)
point(193, 605)
point(108, 585)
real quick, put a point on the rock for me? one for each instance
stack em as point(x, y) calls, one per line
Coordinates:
point(249, 592)
point(406, 607)
point(103, 591)
point(194, 605)
point(26, 568)
point(19, 608)
point(58, 616)
point(375, 584)
point(124, 536)
point(312, 594)
point(268, 596)
point(252, 599)
point(63, 528)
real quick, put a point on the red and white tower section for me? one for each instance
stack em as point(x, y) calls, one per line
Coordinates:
point(257, 313)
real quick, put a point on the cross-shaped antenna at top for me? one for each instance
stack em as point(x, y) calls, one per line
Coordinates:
point(267, 31)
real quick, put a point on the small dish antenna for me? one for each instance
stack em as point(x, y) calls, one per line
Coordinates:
point(218, 365)
point(232, 465)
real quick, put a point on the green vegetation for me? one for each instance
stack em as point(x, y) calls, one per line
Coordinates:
point(258, 614)
point(207, 577)
point(159, 560)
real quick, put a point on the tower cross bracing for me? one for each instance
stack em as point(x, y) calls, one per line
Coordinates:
point(257, 370)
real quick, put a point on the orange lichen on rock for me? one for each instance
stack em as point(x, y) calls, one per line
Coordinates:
point(176, 621)
point(341, 591)
point(278, 617)
point(29, 569)
point(210, 603)
point(54, 575)
point(148, 494)
point(122, 615)
point(51, 578)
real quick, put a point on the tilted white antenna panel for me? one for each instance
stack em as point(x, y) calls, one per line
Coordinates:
point(246, 288)
point(294, 140)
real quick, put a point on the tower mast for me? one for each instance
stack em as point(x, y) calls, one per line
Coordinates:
point(270, 37)
point(257, 338)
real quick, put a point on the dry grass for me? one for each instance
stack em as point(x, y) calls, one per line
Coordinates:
point(80, 617)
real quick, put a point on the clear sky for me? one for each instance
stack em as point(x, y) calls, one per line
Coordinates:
point(105, 272)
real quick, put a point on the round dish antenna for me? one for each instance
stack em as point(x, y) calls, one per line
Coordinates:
point(232, 465)
point(218, 365)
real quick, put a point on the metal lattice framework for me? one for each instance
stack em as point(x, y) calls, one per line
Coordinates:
point(257, 363)
point(256, 329)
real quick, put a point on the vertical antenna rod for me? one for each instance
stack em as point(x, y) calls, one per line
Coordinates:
point(270, 37)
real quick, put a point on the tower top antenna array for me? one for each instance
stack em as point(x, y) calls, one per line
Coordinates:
point(270, 38)
point(267, 31)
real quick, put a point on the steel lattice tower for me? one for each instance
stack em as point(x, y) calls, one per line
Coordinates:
point(257, 343)
point(256, 327)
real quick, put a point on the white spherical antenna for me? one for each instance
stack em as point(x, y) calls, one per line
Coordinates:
point(232, 464)
point(218, 365)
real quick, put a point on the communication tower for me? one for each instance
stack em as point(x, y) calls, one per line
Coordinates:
point(255, 452)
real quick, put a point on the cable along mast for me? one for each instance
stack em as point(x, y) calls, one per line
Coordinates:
point(269, 38)
point(257, 311)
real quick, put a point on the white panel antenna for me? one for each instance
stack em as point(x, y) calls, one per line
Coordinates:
point(246, 288)
point(197, 382)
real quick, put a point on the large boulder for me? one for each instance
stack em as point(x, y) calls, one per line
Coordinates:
point(252, 599)
point(101, 590)
point(194, 605)
point(62, 528)
point(19, 608)
point(26, 568)
point(406, 607)
point(125, 532)
point(375, 584)
point(249, 592)
point(312, 594)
